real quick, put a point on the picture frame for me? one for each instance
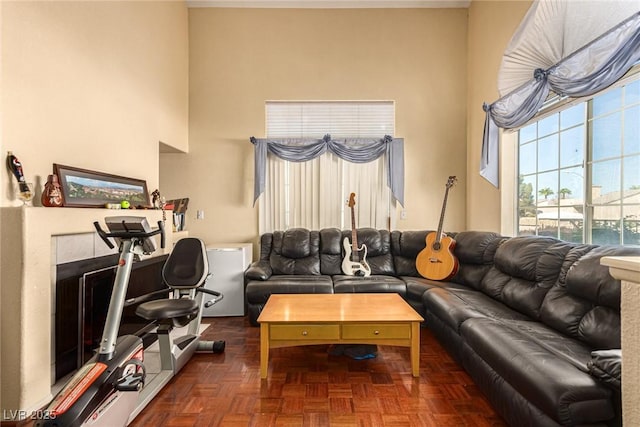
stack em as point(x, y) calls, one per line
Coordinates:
point(87, 188)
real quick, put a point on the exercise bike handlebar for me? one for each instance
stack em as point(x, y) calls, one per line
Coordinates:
point(129, 234)
point(218, 296)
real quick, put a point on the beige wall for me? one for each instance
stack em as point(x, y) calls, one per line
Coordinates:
point(93, 84)
point(491, 25)
point(239, 58)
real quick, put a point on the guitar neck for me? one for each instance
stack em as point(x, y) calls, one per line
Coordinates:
point(441, 222)
point(354, 237)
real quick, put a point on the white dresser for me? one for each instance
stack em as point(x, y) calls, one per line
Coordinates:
point(227, 264)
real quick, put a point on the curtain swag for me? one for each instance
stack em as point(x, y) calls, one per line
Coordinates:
point(355, 150)
point(584, 72)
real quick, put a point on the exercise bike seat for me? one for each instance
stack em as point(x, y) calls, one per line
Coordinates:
point(176, 312)
point(186, 268)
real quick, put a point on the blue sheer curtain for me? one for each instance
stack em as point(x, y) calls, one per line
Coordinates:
point(355, 150)
point(585, 72)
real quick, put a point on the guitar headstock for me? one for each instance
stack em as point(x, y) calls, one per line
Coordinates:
point(451, 181)
point(352, 200)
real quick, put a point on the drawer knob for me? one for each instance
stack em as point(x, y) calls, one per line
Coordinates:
point(305, 333)
point(376, 332)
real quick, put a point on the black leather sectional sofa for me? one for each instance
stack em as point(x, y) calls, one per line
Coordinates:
point(534, 320)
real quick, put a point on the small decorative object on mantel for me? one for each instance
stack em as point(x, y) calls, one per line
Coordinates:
point(52, 193)
point(14, 165)
point(159, 202)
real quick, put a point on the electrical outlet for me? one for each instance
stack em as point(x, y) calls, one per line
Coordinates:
point(200, 215)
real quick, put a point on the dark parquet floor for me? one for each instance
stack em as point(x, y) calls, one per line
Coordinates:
point(308, 387)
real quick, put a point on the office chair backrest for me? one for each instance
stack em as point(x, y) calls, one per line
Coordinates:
point(187, 266)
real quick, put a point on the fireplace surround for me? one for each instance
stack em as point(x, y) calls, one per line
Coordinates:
point(83, 291)
point(27, 290)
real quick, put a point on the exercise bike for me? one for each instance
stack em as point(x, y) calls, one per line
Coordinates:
point(113, 387)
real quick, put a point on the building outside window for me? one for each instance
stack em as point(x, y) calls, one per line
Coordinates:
point(579, 170)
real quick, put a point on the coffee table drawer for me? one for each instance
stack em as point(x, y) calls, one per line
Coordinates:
point(379, 331)
point(304, 332)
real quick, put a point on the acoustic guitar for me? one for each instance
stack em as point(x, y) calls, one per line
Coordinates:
point(353, 265)
point(436, 261)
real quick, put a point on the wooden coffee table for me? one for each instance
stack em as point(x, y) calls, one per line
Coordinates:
point(289, 320)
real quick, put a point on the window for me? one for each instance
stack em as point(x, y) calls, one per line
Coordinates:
point(313, 194)
point(579, 171)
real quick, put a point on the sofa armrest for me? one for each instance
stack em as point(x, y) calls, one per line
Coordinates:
point(259, 270)
point(606, 366)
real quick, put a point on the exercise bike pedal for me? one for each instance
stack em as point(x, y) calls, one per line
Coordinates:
point(132, 382)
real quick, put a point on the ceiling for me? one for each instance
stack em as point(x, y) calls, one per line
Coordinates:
point(331, 4)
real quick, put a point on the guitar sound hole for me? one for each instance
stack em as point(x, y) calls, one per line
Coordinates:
point(436, 246)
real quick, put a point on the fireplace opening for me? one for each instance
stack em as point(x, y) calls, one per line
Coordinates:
point(83, 291)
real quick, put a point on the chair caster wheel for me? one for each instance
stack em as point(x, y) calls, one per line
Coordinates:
point(218, 346)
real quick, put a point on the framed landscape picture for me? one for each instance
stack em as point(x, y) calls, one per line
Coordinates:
point(85, 188)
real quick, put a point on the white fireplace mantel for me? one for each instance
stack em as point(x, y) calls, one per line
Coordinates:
point(27, 279)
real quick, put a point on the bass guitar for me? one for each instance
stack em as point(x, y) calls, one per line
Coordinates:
point(353, 265)
point(436, 261)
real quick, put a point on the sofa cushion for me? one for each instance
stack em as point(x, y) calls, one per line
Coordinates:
point(259, 270)
point(475, 251)
point(378, 243)
point(295, 251)
point(417, 286)
point(258, 292)
point(473, 248)
point(453, 306)
point(606, 366)
point(405, 247)
point(331, 253)
point(557, 387)
point(266, 243)
point(571, 350)
point(524, 270)
point(585, 301)
point(372, 284)
point(590, 280)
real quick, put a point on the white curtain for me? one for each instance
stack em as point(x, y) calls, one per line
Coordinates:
point(314, 194)
point(373, 196)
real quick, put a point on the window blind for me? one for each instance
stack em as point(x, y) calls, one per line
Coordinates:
point(340, 119)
